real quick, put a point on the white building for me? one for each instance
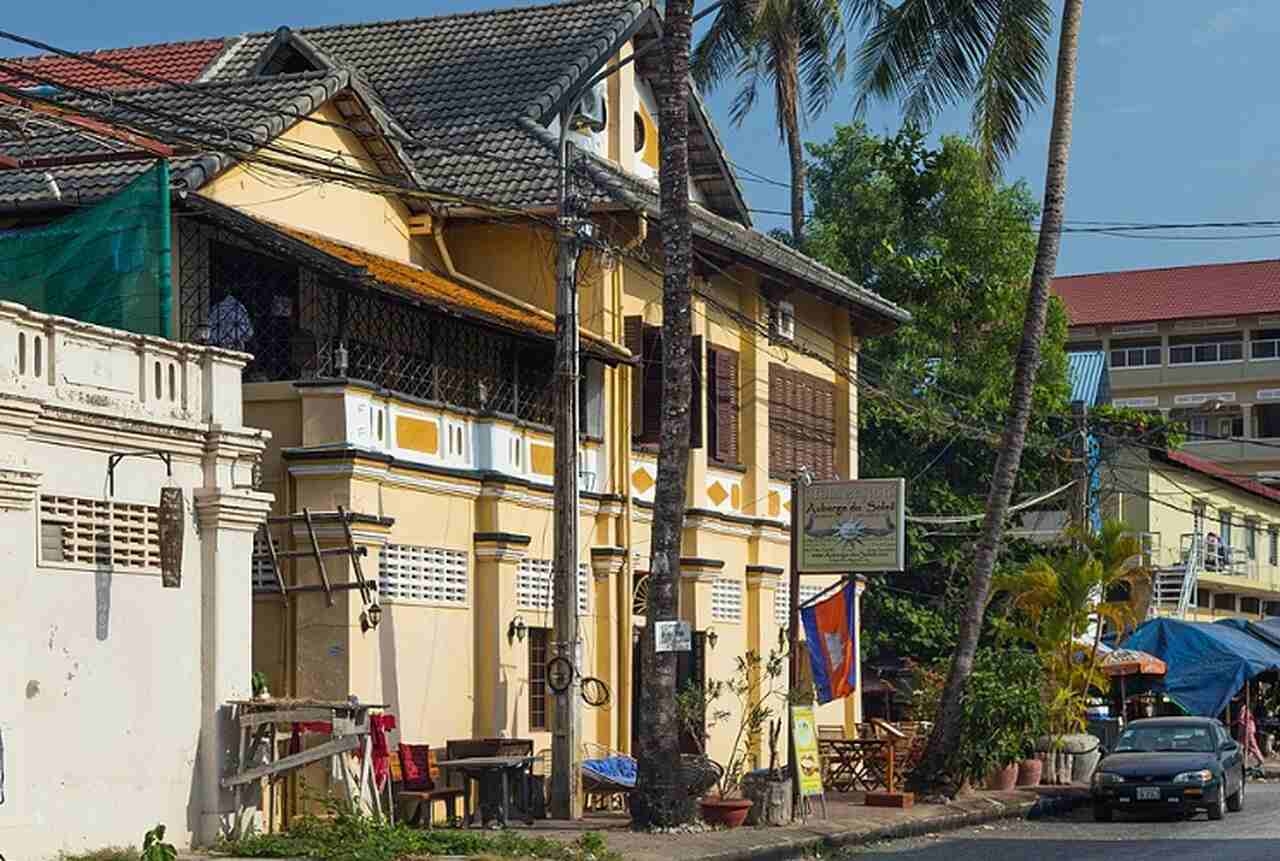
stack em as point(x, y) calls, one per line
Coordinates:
point(111, 683)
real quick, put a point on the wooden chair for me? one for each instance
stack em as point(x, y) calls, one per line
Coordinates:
point(417, 795)
point(830, 731)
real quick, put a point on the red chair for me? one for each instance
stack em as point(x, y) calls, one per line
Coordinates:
point(417, 783)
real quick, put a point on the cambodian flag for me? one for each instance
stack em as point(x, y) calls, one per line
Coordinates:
point(831, 633)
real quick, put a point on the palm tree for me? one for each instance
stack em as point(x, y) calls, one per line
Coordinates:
point(661, 799)
point(929, 53)
point(798, 47)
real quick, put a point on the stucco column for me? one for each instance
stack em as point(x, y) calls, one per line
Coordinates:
point(500, 660)
point(846, 408)
point(1246, 412)
point(753, 420)
point(609, 612)
point(696, 577)
point(762, 583)
point(227, 520)
point(696, 489)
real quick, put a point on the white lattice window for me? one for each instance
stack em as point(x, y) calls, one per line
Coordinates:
point(535, 586)
point(431, 575)
point(726, 599)
point(99, 533)
point(263, 575)
point(782, 599)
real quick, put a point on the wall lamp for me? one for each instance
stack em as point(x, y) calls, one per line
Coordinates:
point(370, 618)
point(712, 638)
point(517, 630)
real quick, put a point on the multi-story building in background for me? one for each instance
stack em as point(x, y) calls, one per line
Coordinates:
point(1201, 344)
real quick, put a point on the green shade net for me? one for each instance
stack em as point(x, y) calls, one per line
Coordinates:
point(107, 264)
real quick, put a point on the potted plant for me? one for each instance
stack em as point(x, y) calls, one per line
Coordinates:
point(753, 685)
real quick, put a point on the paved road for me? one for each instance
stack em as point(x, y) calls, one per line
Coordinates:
point(1251, 835)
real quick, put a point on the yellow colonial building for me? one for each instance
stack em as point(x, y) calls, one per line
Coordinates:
point(371, 222)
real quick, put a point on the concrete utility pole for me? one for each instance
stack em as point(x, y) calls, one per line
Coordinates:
point(572, 229)
point(1080, 465)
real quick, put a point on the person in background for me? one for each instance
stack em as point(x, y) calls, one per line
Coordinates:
point(1247, 730)
point(1212, 547)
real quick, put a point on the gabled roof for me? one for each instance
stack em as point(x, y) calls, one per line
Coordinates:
point(172, 61)
point(1218, 472)
point(1179, 292)
point(217, 121)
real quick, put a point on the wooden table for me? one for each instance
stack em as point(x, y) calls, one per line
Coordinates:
point(495, 772)
point(853, 764)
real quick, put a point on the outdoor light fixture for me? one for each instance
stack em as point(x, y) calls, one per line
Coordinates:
point(340, 359)
point(370, 618)
point(517, 629)
point(712, 638)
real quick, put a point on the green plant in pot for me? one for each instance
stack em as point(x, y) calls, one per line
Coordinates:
point(753, 689)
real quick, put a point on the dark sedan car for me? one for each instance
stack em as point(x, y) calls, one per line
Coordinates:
point(1182, 764)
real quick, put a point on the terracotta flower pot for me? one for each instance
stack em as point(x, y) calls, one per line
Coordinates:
point(729, 812)
point(1029, 772)
point(1003, 779)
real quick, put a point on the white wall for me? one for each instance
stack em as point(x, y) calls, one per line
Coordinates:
point(110, 684)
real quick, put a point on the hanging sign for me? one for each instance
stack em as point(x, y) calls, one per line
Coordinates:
point(851, 526)
point(673, 636)
point(804, 740)
point(172, 521)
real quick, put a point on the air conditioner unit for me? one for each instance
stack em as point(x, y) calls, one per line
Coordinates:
point(782, 321)
point(590, 113)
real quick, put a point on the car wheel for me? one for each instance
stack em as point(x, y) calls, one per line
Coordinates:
point(1235, 803)
point(1103, 813)
point(1218, 810)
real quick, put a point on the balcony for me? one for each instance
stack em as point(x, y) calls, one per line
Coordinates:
point(1235, 451)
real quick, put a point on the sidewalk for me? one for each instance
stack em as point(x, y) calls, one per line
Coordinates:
point(849, 823)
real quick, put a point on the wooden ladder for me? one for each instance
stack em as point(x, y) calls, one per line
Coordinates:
point(275, 556)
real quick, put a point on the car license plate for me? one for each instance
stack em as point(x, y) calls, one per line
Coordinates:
point(1148, 793)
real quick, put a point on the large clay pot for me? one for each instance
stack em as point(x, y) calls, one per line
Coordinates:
point(729, 812)
point(1029, 772)
point(1003, 779)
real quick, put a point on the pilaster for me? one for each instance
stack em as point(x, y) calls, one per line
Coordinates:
point(498, 656)
point(609, 613)
point(696, 576)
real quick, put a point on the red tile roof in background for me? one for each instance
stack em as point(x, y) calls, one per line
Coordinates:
point(1140, 295)
point(1218, 471)
point(174, 61)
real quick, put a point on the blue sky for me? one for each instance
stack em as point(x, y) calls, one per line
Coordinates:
point(1175, 116)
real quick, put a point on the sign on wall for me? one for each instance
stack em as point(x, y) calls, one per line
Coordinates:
point(851, 526)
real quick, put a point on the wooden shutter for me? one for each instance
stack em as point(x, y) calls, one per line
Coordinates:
point(722, 404)
point(695, 394)
point(652, 389)
point(633, 334)
point(801, 423)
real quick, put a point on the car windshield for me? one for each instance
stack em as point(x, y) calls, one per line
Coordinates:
point(1165, 739)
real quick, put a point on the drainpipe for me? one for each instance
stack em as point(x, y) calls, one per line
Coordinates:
point(438, 235)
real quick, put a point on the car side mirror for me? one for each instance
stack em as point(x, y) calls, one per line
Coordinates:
point(1229, 747)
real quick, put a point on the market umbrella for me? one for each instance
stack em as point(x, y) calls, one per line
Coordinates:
point(1131, 662)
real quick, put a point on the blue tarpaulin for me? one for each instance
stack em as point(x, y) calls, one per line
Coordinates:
point(1208, 663)
point(1267, 630)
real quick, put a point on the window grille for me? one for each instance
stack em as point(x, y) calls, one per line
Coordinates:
point(262, 573)
point(535, 586)
point(782, 598)
point(99, 533)
point(432, 575)
point(538, 641)
point(726, 599)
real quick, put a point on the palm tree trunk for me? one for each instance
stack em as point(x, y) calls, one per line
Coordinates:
point(945, 738)
point(789, 87)
point(661, 799)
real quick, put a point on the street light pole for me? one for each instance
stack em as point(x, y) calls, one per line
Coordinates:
point(566, 796)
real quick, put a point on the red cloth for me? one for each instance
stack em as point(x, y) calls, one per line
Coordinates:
point(415, 764)
point(378, 727)
point(295, 741)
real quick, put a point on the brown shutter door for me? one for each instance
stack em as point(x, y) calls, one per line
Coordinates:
point(712, 395)
point(633, 334)
point(696, 395)
point(775, 420)
point(652, 384)
point(724, 416)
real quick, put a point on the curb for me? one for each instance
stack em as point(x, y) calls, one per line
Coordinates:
point(1038, 809)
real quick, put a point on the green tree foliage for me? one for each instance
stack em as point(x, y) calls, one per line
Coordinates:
point(929, 228)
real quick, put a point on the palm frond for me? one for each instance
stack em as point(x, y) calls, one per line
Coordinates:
point(716, 55)
point(1012, 79)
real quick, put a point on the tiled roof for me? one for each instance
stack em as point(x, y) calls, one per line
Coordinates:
point(173, 61)
point(1219, 472)
point(200, 114)
point(1141, 295)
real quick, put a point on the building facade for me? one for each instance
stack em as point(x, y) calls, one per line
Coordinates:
point(1200, 344)
point(114, 682)
point(402, 341)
